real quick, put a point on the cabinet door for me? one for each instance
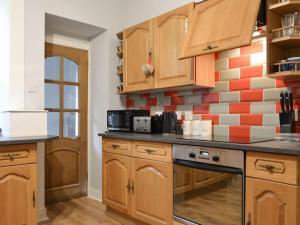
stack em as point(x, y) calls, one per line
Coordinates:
point(169, 32)
point(116, 177)
point(138, 42)
point(217, 25)
point(18, 195)
point(271, 203)
point(152, 196)
point(183, 179)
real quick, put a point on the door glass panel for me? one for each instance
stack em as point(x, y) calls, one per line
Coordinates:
point(71, 125)
point(52, 68)
point(52, 96)
point(70, 70)
point(71, 97)
point(53, 123)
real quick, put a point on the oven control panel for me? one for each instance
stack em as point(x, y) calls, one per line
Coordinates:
point(223, 157)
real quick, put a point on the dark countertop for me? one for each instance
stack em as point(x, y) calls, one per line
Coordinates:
point(24, 140)
point(275, 146)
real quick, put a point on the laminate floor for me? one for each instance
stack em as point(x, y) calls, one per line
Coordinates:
point(81, 211)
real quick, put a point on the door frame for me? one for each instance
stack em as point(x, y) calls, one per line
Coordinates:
point(83, 110)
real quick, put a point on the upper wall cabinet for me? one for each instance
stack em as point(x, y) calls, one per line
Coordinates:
point(169, 32)
point(138, 43)
point(217, 25)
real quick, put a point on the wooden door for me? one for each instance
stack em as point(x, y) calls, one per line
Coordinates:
point(217, 25)
point(169, 32)
point(116, 182)
point(66, 85)
point(271, 203)
point(138, 43)
point(183, 179)
point(18, 195)
point(152, 196)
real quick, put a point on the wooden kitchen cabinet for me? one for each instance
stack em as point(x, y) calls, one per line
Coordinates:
point(272, 189)
point(116, 178)
point(18, 186)
point(271, 203)
point(138, 43)
point(152, 197)
point(217, 25)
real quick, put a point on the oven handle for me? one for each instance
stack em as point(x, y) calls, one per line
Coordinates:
point(210, 167)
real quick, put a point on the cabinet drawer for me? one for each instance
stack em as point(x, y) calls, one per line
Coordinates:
point(279, 168)
point(11, 155)
point(117, 146)
point(152, 150)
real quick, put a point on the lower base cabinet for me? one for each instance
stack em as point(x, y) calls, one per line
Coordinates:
point(139, 187)
point(271, 203)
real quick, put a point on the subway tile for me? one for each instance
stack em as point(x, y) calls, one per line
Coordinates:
point(239, 62)
point(251, 96)
point(239, 133)
point(263, 132)
point(242, 84)
point(151, 102)
point(192, 100)
point(271, 120)
point(265, 70)
point(214, 118)
point(177, 100)
point(230, 96)
point(251, 71)
point(221, 132)
point(230, 119)
point(217, 76)
point(232, 53)
point(221, 86)
point(170, 108)
point(262, 82)
point(222, 64)
point(273, 94)
point(222, 108)
point(263, 107)
point(217, 55)
point(280, 83)
point(196, 116)
point(211, 98)
point(258, 59)
point(170, 93)
point(145, 95)
point(201, 109)
point(185, 92)
point(252, 119)
point(162, 101)
point(129, 103)
point(232, 74)
point(239, 108)
point(140, 102)
point(185, 108)
point(255, 47)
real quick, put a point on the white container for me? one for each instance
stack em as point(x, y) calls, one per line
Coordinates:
point(202, 128)
point(187, 127)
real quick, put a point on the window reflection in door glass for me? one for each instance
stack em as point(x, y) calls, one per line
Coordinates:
point(52, 68)
point(71, 125)
point(71, 97)
point(70, 70)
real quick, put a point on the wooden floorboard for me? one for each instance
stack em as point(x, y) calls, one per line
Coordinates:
point(81, 211)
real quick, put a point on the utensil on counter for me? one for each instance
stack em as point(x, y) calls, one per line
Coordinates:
point(287, 115)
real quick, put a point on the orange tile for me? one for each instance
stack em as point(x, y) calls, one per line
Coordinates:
point(177, 100)
point(215, 118)
point(211, 98)
point(129, 103)
point(239, 133)
point(253, 48)
point(252, 96)
point(280, 83)
point(151, 102)
point(238, 108)
point(249, 72)
point(217, 76)
point(237, 85)
point(201, 109)
point(170, 93)
point(251, 119)
point(239, 62)
point(170, 108)
point(145, 95)
point(217, 55)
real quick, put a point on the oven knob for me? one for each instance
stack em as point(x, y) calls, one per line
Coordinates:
point(216, 158)
point(192, 155)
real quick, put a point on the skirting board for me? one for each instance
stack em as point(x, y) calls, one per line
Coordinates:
point(42, 215)
point(95, 194)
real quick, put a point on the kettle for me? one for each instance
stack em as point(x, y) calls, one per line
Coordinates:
point(169, 121)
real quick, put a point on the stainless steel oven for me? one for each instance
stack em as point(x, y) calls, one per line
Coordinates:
point(208, 186)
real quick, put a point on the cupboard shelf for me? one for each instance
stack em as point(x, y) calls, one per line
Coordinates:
point(292, 41)
point(285, 7)
point(286, 75)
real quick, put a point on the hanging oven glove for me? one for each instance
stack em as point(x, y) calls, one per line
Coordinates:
point(149, 67)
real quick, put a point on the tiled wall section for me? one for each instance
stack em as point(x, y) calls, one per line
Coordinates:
point(243, 104)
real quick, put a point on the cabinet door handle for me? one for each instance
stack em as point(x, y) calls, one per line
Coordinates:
point(132, 187)
point(128, 186)
point(149, 151)
point(115, 146)
point(249, 219)
point(209, 47)
point(269, 168)
point(33, 199)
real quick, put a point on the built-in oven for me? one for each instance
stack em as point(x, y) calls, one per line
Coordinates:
point(208, 186)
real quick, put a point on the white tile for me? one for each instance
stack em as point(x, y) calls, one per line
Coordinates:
point(230, 119)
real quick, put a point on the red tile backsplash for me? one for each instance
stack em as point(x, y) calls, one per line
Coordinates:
point(201, 109)
point(177, 100)
point(252, 96)
point(239, 133)
point(252, 119)
point(239, 108)
point(151, 102)
point(215, 118)
point(211, 98)
point(239, 62)
point(237, 85)
point(254, 48)
point(250, 72)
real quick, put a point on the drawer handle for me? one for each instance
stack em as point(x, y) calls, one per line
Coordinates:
point(209, 47)
point(11, 156)
point(269, 168)
point(149, 151)
point(115, 146)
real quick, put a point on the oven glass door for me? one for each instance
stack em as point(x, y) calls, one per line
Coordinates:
point(207, 194)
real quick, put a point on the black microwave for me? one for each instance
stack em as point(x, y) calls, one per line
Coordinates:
point(122, 120)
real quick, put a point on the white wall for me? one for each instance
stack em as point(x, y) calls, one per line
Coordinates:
point(140, 10)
